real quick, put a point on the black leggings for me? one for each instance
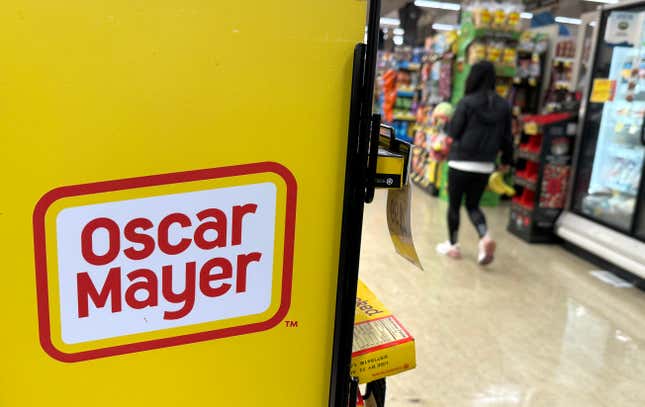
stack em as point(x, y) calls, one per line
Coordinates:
point(472, 186)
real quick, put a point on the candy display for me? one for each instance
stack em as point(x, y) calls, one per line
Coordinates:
point(541, 177)
point(489, 31)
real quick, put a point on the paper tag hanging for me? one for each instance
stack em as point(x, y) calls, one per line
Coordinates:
point(399, 223)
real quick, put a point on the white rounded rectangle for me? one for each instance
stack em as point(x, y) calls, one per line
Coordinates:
point(99, 301)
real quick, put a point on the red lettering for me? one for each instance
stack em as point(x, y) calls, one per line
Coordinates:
point(86, 290)
point(87, 245)
point(164, 225)
point(148, 242)
point(205, 277)
point(149, 285)
point(219, 226)
point(187, 297)
point(238, 215)
point(243, 261)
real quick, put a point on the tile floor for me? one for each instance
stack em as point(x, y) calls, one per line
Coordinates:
point(534, 329)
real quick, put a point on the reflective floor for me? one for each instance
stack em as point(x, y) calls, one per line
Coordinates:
point(534, 329)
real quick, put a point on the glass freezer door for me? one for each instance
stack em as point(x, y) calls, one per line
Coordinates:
point(610, 165)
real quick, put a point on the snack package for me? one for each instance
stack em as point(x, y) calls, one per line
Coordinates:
point(481, 14)
point(499, 17)
point(513, 20)
point(513, 11)
point(509, 57)
point(476, 52)
point(494, 51)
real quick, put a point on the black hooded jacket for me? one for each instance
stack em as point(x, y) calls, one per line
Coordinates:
point(481, 128)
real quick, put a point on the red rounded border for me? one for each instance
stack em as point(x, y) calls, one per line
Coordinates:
point(42, 290)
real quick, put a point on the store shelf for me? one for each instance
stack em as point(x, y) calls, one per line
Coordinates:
point(525, 182)
point(501, 34)
point(564, 60)
point(529, 155)
point(506, 71)
point(567, 85)
point(405, 93)
point(624, 189)
point(522, 207)
point(410, 66)
point(533, 124)
point(405, 117)
point(631, 154)
point(526, 82)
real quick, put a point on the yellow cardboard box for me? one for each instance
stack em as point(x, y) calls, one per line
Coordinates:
point(382, 346)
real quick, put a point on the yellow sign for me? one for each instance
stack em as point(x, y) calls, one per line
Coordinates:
point(603, 90)
point(167, 238)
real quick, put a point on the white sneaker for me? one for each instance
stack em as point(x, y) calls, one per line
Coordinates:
point(487, 248)
point(450, 250)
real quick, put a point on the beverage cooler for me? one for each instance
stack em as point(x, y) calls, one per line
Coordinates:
point(606, 209)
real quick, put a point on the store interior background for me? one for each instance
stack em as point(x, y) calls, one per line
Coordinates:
point(540, 327)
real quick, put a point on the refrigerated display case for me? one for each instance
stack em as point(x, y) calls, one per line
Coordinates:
point(606, 213)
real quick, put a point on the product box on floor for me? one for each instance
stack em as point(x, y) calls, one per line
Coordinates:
point(382, 346)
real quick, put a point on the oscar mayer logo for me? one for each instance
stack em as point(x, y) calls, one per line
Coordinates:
point(144, 263)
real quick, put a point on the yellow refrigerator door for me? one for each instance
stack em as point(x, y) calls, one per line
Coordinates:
point(173, 179)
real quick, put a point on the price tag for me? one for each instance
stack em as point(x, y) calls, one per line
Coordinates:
point(603, 90)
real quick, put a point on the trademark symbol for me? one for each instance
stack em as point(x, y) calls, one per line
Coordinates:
point(291, 324)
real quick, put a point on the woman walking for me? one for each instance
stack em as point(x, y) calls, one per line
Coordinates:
point(480, 129)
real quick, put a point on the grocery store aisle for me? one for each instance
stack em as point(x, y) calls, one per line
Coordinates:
point(534, 329)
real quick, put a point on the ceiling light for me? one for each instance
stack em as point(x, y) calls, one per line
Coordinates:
point(526, 15)
point(398, 40)
point(593, 23)
point(568, 20)
point(443, 27)
point(389, 21)
point(438, 4)
point(603, 1)
point(398, 31)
